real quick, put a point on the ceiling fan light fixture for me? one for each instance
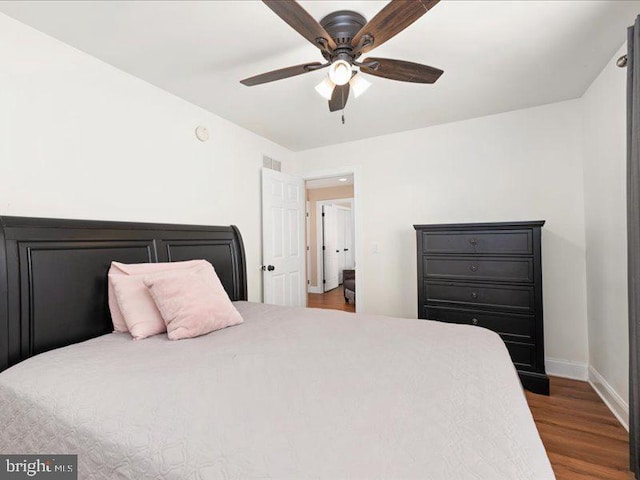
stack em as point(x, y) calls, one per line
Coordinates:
point(325, 88)
point(340, 72)
point(359, 85)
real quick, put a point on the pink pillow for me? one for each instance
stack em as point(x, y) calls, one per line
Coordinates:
point(192, 302)
point(136, 306)
point(120, 269)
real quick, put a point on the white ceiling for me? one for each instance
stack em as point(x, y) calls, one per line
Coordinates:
point(329, 182)
point(497, 56)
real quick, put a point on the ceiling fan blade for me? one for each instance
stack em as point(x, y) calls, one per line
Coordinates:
point(339, 97)
point(401, 70)
point(280, 74)
point(391, 20)
point(299, 19)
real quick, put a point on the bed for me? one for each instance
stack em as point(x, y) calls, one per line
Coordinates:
point(289, 394)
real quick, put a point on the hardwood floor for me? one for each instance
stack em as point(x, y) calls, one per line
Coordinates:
point(584, 441)
point(333, 300)
point(582, 437)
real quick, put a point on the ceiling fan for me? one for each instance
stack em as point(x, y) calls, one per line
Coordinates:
point(342, 37)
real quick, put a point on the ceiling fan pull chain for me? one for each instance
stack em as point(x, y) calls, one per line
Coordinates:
point(343, 117)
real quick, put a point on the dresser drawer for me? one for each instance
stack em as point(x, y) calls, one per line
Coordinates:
point(523, 355)
point(511, 297)
point(512, 242)
point(510, 326)
point(479, 268)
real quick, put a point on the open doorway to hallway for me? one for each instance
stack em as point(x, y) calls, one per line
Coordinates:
point(330, 244)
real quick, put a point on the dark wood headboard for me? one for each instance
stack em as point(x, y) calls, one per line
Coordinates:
point(53, 274)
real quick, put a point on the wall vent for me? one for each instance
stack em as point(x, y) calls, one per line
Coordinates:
point(271, 163)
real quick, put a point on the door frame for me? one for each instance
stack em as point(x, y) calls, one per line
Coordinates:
point(307, 229)
point(319, 239)
point(357, 211)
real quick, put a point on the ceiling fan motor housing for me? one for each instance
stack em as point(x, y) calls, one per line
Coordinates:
point(343, 26)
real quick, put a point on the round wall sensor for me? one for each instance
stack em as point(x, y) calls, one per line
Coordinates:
point(202, 133)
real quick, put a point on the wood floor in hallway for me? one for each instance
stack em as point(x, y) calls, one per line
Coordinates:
point(333, 300)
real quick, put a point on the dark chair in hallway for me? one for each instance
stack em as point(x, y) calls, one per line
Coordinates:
point(349, 285)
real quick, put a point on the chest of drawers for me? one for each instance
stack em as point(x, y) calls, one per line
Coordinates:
point(489, 275)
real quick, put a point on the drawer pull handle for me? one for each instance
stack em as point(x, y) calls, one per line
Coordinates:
point(474, 295)
point(473, 241)
point(473, 268)
point(474, 321)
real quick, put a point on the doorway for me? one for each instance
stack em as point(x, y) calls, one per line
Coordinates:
point(330, 242)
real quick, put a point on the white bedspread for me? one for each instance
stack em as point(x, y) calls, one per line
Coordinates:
point(289, 394)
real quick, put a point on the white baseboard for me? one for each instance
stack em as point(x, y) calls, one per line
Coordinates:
point(559, 367)
point(311, 289)
point(610, 397)
point(581, 371)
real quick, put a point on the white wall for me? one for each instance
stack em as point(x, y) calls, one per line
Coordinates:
point(81, 139)
point(523, 165)
point(604, 116)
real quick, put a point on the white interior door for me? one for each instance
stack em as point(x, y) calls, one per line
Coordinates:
point(307, 247)
point(283, 250)
point(341, 242)
point(348, 236)
point(330, 247)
